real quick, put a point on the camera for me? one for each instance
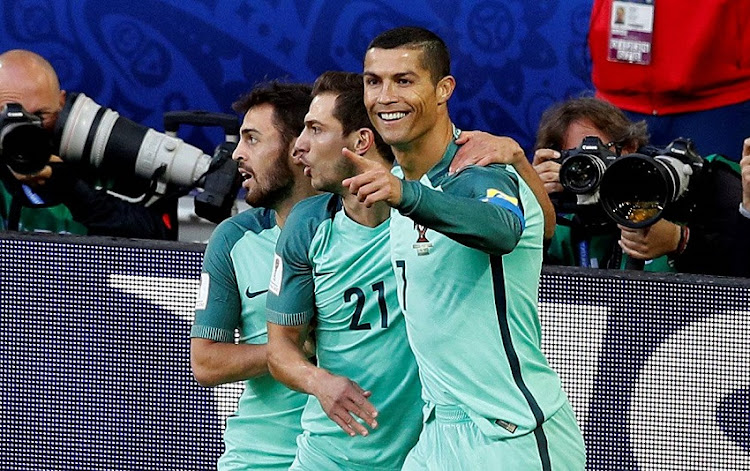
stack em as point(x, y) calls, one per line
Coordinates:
point(582, 169)
point(94, 137)
point(220, 184)
point(25, 146)
point(639, 189)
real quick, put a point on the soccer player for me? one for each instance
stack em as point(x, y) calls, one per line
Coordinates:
point(333, 271)
point(236, 271)
point(467, 251)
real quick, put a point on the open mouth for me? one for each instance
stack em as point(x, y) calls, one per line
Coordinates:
point(245, 175)
point(392, 116)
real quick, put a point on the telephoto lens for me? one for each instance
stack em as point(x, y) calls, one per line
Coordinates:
point(116, 146)
point(636, 189)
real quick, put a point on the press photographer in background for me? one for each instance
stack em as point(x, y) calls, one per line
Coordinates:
point(695, 229)
point(68, 165)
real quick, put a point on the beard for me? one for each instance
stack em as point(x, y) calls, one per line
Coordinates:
point(275, 186)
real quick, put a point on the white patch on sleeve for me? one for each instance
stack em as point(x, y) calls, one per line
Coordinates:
point(276, 275)
point(202, 300)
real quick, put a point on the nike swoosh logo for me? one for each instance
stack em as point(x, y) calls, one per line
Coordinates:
point(252, 294)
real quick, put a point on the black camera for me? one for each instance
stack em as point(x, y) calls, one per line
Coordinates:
point(582, 169)
point(25, 146)
point(98, 138)
point(219, 186)
point(639, 189)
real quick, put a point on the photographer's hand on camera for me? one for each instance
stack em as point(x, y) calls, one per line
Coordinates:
point(648, 243)
point(38, 179)
point(548, 168)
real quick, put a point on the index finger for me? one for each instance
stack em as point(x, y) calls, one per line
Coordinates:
point(460, 160)
point(631, 233)
point(349, 424)
point(360, 162)
point(543, 155)
point(746, 148)
point(465, 136)
point(362, 402)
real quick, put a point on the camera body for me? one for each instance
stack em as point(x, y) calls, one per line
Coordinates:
point(102, 142)
point(582, 169)
point(634, 190)
point(25, 146)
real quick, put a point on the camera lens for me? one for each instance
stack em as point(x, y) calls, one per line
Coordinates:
point(26, 147)
point(635, 190)
point(581, 173)
point(101, 138)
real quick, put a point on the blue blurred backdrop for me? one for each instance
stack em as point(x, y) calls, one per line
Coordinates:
point(511, 58)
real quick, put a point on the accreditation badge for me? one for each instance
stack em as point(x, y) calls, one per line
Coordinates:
point(631, 31)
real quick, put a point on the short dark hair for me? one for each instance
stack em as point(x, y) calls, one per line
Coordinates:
point(435, 55)
point(606, 117)
point(290, 103)
point(350, 108)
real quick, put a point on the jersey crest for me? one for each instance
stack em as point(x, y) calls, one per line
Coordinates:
point(422, 245)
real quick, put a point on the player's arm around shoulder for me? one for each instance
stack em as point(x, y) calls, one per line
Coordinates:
point(481, 148)
point(214, 357)
point(496, 188)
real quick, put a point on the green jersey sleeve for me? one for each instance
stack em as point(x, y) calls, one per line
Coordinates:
point(217, 316)
point(291, 294)
point(479, 208)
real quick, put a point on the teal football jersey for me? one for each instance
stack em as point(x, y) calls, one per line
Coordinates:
point(467, 252)
point(236, 271)
point(336, 273)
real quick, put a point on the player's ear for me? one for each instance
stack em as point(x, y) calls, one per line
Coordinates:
point(365, 139)
point(445, 87)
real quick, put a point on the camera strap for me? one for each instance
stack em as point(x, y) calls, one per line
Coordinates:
point(33, 198)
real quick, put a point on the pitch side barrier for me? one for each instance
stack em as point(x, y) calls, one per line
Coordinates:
point(94, 360)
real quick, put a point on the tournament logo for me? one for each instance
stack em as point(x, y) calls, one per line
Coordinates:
point(276, 275)
point(422, 246)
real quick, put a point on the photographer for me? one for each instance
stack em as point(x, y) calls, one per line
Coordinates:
point(57, 198)
point(706, 239)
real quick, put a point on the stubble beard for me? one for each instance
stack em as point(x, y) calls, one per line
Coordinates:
point(278, 185)
point(342, 170)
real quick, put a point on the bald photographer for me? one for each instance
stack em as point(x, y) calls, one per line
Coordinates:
point(42, 192)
